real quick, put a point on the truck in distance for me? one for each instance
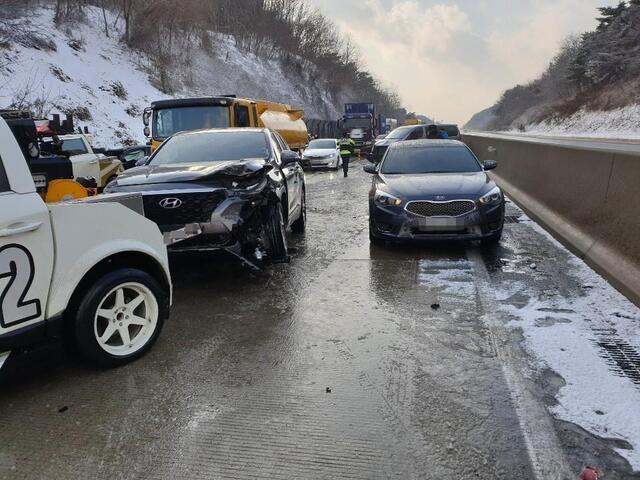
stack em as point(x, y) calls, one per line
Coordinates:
point(360, 124)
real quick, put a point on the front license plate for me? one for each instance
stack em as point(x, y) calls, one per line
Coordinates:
point(441, 223)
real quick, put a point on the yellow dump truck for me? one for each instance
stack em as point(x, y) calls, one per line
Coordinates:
point(166, 117)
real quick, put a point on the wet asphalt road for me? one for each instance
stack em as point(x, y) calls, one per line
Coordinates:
point(237, 386)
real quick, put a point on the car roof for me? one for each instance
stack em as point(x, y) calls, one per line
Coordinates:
point(427, 143)
point(316, 139)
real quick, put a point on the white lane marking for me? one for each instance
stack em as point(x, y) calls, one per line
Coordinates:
point(546, 454)
point(3, 358)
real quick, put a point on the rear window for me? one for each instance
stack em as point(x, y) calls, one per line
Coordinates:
point(207, 147)
point(4, 181)
point(70, 146)
point(417, 134)
point(416, 160)
point(400, 133)
point(452, 130)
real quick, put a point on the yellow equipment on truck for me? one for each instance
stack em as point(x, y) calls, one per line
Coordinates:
point(166, 117)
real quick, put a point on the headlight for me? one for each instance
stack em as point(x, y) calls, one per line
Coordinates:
point(249, 186)
point(493, 196)
point(386, 200)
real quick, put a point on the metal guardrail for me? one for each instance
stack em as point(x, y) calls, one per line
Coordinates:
point(586, 192)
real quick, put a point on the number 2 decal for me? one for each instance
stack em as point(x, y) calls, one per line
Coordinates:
point(16, 264)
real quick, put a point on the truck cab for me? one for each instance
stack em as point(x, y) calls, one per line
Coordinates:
point(107, 293)
point(167, 117)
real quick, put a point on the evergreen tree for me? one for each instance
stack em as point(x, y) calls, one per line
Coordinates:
point(610, 14)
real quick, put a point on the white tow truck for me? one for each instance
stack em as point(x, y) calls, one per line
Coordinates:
point(92, 272)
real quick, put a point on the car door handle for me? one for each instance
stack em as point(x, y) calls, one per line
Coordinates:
point(18, 228)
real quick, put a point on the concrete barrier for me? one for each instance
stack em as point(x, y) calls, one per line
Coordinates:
point(586, 195)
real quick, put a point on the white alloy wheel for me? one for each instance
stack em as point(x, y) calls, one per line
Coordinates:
point(126, 319)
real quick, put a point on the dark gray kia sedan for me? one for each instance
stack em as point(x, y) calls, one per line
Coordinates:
point(434, 190)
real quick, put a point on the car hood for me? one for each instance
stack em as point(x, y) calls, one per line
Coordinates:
point(191, 172)
point(319, 152)
point(435, 186)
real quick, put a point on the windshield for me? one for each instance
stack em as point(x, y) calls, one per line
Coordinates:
point(400, 132)
point(207, 147)
point(184, 119)
point(322, 144)
point(430, 160)
point(70, 146)
point(357, 123)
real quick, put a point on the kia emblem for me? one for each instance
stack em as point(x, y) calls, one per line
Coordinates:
point(440, 197)
point(170, 203)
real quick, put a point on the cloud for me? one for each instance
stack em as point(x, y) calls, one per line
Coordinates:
point(452, 58)
point(411, 25)
point(524, 53)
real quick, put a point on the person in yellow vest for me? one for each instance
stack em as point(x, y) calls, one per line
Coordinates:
point(347, 147)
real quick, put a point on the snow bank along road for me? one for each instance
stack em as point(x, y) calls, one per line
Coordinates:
point(442, 361)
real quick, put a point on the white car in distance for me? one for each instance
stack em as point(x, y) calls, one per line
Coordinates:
point(322, 153)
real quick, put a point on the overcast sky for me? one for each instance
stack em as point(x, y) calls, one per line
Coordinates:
point(451, 58)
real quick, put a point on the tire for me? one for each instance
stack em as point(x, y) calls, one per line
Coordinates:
point(492, 240)
point(276, 234)
point(107, 306)
point(372, 237)
point(300, 224)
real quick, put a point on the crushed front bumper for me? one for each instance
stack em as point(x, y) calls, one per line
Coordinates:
point(235, 226)
point(395, 223)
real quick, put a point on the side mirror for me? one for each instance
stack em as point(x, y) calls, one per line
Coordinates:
point(370, 168)
point(141, 162)
point(147, 132)
point(146, 116)
point(288, 157)
point(490, 164)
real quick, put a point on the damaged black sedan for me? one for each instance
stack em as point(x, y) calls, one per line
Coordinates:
point(223, 189)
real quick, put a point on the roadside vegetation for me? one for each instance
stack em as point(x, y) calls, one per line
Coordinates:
point(169, 32)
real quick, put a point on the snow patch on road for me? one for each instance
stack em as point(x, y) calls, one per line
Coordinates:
point(563, 334)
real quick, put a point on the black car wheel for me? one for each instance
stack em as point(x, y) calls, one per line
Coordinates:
point(301, 223)
point(372, 236)
point(492, 240)
point(276, 234)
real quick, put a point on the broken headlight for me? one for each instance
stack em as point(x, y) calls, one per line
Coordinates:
point(249, 186)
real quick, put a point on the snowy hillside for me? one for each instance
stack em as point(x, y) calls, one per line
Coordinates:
point(622, 123)
point(79, 69)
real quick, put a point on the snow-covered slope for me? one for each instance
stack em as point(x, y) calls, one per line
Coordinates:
point(621, 123)
point(79, 69)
